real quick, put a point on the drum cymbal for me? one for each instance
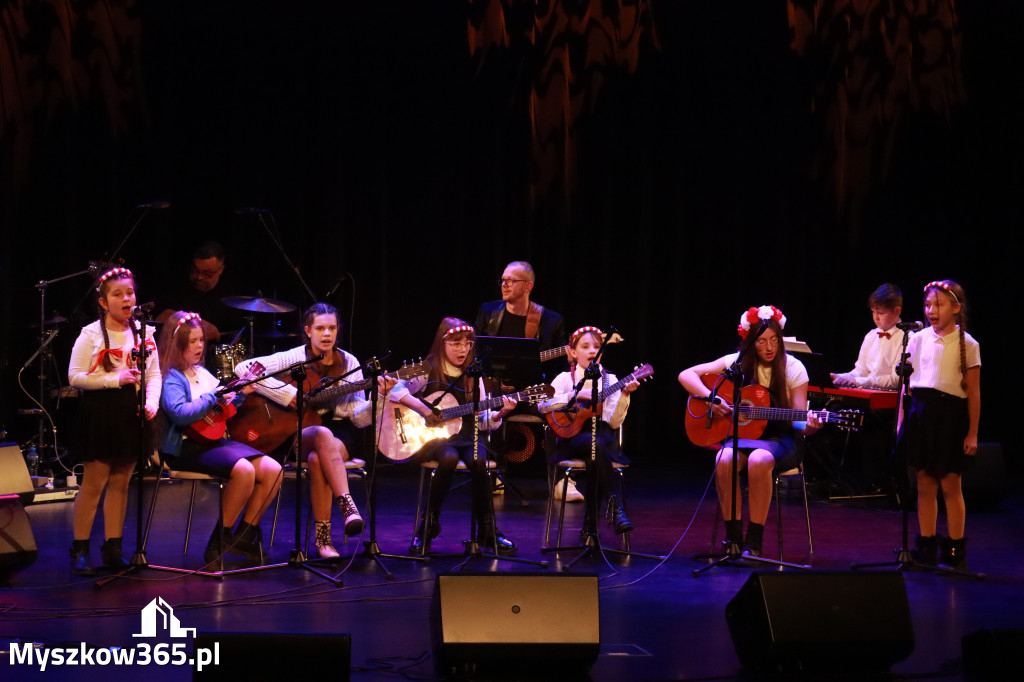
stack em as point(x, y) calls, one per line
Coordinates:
point(257, 305)
point(277, 334)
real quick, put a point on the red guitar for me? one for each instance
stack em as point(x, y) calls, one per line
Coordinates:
point(212, 426)
point(568, 424)
point(707, 429)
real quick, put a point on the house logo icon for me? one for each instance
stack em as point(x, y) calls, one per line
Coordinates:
point(158, 618)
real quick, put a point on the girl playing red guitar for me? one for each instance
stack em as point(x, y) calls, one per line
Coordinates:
point(190, 393)
point(785, 377)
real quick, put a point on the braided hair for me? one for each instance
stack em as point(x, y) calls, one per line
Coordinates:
point(956, 292)
point(103, 284)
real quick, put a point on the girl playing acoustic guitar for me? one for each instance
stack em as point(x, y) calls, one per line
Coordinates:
point(584, 345)
point(190, 393)
point(766, 364)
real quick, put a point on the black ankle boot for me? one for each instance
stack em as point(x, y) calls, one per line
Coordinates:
point(429, 528)
point(80, 564)
point(220, 540)
point(755, 539)
point(247, 542)
point(112, 556)
point(496, 542)
point(954, 554)
point(617, 516)
point(925, 550)
point(734, 533)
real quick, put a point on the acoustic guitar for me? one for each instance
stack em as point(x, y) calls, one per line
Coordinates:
point(264, 425)
point(707, 429)
point(566, 423)
point(403, 431)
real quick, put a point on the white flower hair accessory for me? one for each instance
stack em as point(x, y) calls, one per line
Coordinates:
point(755, 315)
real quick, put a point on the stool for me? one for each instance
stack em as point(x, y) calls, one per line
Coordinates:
point(558, 474)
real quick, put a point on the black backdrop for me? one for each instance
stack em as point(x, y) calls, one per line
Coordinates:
point(387, 152)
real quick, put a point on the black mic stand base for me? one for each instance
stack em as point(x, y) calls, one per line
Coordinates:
point(732, 554)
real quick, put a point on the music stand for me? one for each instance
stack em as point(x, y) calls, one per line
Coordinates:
point(514, 362)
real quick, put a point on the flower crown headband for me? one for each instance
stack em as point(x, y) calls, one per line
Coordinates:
point(115, 273)
point(584, 330)
point(943, 286)
point(187, 317)
point(460, 328)
point(754, 315)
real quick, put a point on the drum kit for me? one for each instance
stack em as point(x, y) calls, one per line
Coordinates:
point(228, 355)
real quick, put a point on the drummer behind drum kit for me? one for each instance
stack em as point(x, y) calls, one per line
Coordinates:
point(227, 356)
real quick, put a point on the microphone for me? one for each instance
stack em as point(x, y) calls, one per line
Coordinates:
point(141, 310)
point(910, 326)
point(249, 210)
point(155, 204)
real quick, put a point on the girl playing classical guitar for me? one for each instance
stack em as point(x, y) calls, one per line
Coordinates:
point(450, 355)
point(778, 449)
point(103, 364)
point(584, 345)
point(191, 393)
point(325, 449)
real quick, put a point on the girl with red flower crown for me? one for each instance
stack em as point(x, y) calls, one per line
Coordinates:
point(779, 447)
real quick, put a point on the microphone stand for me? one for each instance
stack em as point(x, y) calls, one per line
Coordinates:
point(732, 552)
point(591, 538)
point(904, 558)
point(138, 560)
point(371, 550)
point(473, 550)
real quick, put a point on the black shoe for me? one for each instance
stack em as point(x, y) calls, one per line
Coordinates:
point(429, 528)
point(755, 540)
point(247, 542)
point(503, 545)
point(112, 556)
point(926, 550)
point(80, 564)
point(954, 554)
point(220, 540)
point(617, 516)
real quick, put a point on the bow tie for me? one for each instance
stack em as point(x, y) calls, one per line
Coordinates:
point(885, 334)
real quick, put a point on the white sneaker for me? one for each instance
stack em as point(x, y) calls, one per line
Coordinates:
point(571, 494)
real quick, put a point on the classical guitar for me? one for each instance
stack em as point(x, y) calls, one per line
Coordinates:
point(404, 431)
point(211, 427)
point(707, 429)
point(265, 425)
point(566, 423)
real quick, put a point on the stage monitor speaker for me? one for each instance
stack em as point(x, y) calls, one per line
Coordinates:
point(821, 622)
point(275, 656)
point(990, 654)
point(17, 545)
point(508, 624)
point(14, 477)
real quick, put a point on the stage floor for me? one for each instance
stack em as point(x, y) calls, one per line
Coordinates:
point(657, 622)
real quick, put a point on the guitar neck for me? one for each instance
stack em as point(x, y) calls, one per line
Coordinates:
point(457, 411)
point(775, 413)
point(553, 353)
point(332, 393)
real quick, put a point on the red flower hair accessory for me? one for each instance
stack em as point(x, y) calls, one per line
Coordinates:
point(114, 273)
point(944, 286)
point(187, 317)
point(460, 328)
point(755, 315)
point(581, 331)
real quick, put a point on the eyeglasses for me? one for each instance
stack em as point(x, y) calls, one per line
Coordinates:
point(773, 342)
point(206, 274)
point(461, 345)
point(508, 281)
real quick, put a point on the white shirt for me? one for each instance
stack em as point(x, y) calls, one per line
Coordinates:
point(614, 408)
point(876, 362)
point(936, 360)
point(86, 368)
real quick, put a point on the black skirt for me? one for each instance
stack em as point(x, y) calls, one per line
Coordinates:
point(109, 428)
point(932, 436)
